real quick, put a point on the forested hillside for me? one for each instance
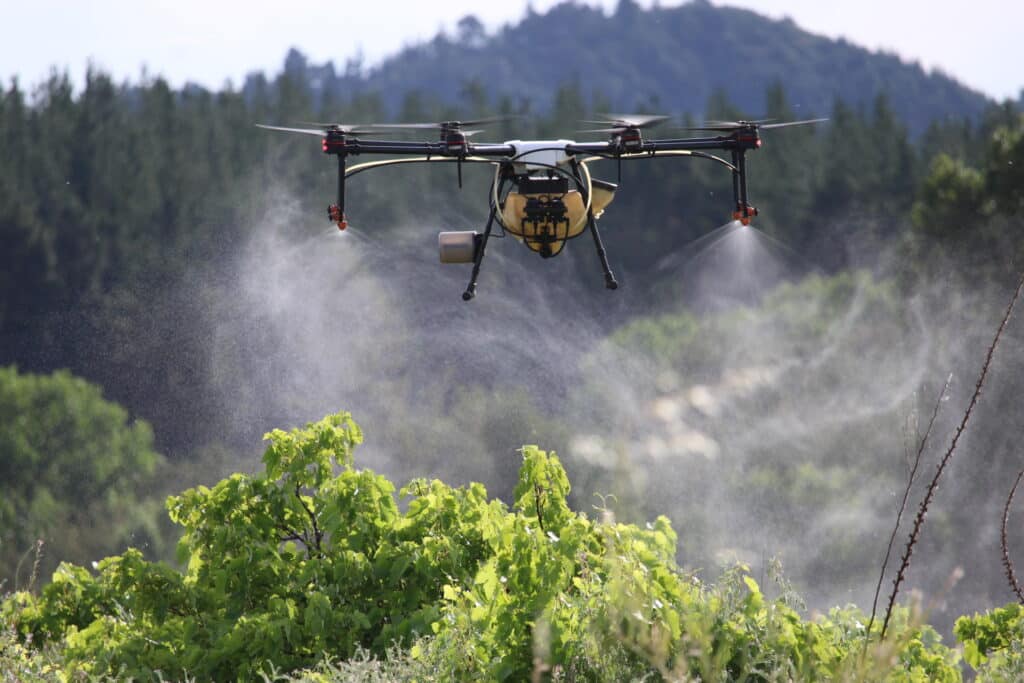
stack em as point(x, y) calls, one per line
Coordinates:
point(127, 208)
point(763, 388)
point(686, 54)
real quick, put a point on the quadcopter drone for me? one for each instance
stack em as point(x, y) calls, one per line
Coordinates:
point(543, 192)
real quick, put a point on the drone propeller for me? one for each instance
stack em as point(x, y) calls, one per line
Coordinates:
point(602, 130)
point(444, 131)
point(348, 129)
point(444, 125)
point(786, 124)
point(764, 124)
point(744, 122)
point(319, 132)
point(324, 128)
point(624, 121)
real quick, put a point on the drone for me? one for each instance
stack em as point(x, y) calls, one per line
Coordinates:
point(543, 193)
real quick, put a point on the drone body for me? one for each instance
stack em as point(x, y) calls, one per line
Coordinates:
point(542, 192)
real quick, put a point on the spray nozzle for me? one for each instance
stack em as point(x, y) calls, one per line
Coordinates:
point(335, 214)
point(745, 214)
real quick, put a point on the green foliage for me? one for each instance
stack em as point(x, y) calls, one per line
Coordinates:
point(313, 556)
point(20, 662)
point(968, 205)
point(1005, 168)
point(313, 562)
point(74, 473)
point(951, 198)
point(957, 196)
point(994, 643)
point(605, 601)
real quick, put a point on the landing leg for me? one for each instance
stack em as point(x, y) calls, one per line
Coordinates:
point(479, 257)
point(609, 279)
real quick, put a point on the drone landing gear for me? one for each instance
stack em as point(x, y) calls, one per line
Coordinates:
point(609, 279)
point(479, 257)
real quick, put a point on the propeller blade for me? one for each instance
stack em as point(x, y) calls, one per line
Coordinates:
point(411, 126)
point(793, 123)
point(307, 131)
point(714, 129)
point(631, 120)
point(641, 120)
point(761, 124)
point(347, 129)
point(603, 130)
point(443, 125)
point(490, 119)
point(737, 124)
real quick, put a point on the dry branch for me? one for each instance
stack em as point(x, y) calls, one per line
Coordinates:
point(1007, 562)
point(934, 484)
point(906, 496)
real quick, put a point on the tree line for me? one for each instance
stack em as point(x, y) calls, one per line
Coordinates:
point(112, 197)
point(123, 208)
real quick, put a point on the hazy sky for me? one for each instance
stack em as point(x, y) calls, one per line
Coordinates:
point(210, 41)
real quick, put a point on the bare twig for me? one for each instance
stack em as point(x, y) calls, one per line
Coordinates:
point(1007, 562)
point(922, 511)
point(912, 477)
point(37, 549)
point(289, 535)
point(35, 565)
point(538, 497)
point(318, 535)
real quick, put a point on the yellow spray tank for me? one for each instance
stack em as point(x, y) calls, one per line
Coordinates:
point(542, 212)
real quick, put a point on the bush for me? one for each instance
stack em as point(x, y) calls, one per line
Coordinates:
point(72, 466)
point(314, 561)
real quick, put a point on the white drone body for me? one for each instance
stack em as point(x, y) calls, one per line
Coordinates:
point(536, 155)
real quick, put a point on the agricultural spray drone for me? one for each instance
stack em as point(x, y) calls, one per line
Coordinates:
point(543, 192)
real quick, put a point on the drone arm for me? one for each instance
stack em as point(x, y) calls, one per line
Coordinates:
point(490, 150)
point(357, 146)
point(366, 166)
point(440, 148)
point(648, 146)
point(675, 153)
point(737, 145)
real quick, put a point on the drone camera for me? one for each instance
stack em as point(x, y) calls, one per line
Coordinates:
point(459, 246)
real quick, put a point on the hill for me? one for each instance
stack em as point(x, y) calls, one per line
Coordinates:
point(669, 59)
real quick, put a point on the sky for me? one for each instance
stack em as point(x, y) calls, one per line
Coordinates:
point(212, 41)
